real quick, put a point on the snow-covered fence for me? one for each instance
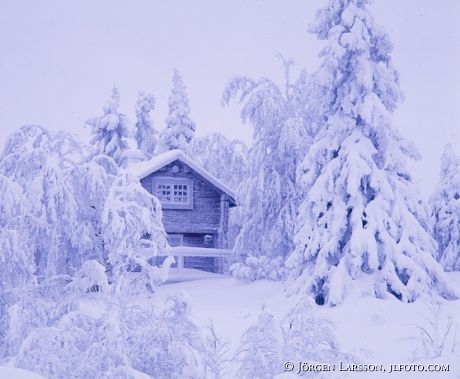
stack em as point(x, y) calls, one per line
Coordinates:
point(179, 252)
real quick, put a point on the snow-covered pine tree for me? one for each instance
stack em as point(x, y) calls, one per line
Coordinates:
point(445, 212)
point(361, 221)
point(269, 195)
point(180, 128)
point(224, 158)
point(111, 130)
point(145, 132)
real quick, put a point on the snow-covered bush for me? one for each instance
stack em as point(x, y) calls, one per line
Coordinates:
point(309, 338)
point(116, 338)
point(78, 346)
point(216, 353)
point(255, 268)
point(301, 336)
point(445, 212)
point(168, 344)
point(259, 351)
point(436, 332)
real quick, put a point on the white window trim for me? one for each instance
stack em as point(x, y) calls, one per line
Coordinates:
point(168, 180)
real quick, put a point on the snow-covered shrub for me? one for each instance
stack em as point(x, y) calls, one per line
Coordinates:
point(20, 318)
point(78, 346)
point(168, 344)
point(308, 337)
point(216, 353)
point(90, 279)
point(259, 351)
point(255, 268)
point(301, 336)
point(436, 332)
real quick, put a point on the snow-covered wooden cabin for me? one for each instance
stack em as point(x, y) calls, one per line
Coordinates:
point(195, 208)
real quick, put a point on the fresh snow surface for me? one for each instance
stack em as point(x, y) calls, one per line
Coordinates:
point(17, 373)
point(375, 331)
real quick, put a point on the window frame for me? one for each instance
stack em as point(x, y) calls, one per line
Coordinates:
point(165, 180)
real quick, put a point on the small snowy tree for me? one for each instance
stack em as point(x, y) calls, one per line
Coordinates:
point(445, 212)
point(111, 130)
point(90, 182)
point(259, 349)
point(145, 132)
point(180, 128)
point(361, 222)
point(268, 195)
point(130, 213)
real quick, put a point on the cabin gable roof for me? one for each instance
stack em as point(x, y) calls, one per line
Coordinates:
point(144, 169)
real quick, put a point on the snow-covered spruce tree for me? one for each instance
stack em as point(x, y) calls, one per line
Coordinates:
point(445, 212)
point(361, 221)
point(145, 134)
point(268, 195)
point(180, 128)
point(109, 132)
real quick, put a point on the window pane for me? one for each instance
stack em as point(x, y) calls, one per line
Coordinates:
point(172, 192)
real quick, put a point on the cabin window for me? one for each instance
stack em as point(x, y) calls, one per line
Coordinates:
point(174, 193)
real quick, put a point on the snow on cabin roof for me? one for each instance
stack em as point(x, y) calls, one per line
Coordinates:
point(145, 168)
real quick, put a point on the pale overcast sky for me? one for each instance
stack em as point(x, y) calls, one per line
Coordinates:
point(59, 60)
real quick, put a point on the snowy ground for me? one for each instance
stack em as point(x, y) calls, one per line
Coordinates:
point(17, 373)
point(380, 332)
